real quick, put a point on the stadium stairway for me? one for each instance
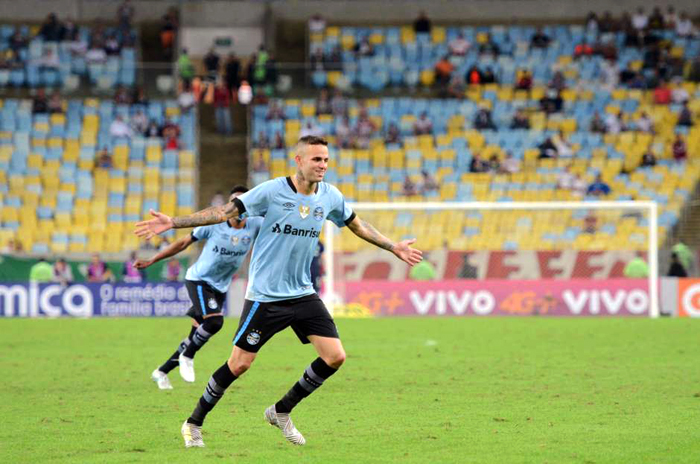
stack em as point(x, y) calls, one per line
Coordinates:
point(690, 223)
point(223, 161)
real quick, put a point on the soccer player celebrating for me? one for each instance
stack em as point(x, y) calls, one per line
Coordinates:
point(207, 282)
point(280, 293)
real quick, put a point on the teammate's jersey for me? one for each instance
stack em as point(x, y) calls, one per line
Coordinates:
point(282, 254)
point(223, 253)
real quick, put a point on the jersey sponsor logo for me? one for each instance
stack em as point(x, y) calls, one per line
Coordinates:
point(318, 213)
point(288, 206)
point(212, 303)
point(289, 230)
point(224, 252)
point(253, 338)
point(304, 211)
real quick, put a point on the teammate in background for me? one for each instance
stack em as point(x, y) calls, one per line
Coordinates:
point(280, 293)
point(207, 282)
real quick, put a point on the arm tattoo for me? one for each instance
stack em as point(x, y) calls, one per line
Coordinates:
point(369, 233)
point(207, 216)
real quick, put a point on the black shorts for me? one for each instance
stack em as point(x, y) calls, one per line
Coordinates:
point(260, 321)
point(205, 299)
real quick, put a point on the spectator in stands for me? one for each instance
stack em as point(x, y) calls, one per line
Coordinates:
point(49, 61)
point(676, 269)
point(679, 94)
point(656, 20)
point(563, 147)
point(409, 187)
point(483, 119)
point(510, 164)
point(547, 149)
point(318, 60)
point(459, 46)
point(275, 111)
point(112, 47)
point(185, 68)
point(443, 70)
point(279, 141)
point(171, 133)
point(232, 70)
point(520, 120)
point(598, 187)
point(614, 123)
point(260, 165)
point(218, 199)
point(152, 131)
point(422, 24)
point(429, 183)
point(597, 124)
point(98, 270)
point(139, 96)
point(17, 41)
point(343, 132)
point(488, 77)
point(685, 117)
point(121, 96)
point(670, 17)
point(477, 164)
point(680, 149)
point(558, 81)
point(95, 54)
point(41, 272)
point(645, 123)
point(592, 22)
point(607, 23)
point(339, 104)
point(222, 108)
point(125, 15)
point(540, 39)
point(474, 76)
point(120, 129)
point(363, 47)
point(62, 273)
point(316, 24)
point(648, 160)
point(640, 20)
point(173, 270)
point(211, 64)
point(51, 30)
point(423, 125)
point(104, 159)
point(139, 122)
point(311, 129)
point(56, 103)
point(456, 86)
point(130, 274)
point(684, 26)
point(583, 49)
point(565, 178)
point(78, 45)
point(662, 94)
point(494, 164)
point(590, 223)
point(364, 129)
point(40, 104)
point(323, 103)
point(578, 186)
point(551, 102)
point(393, 135)
point(169, 27)
point(489, 47)
point(524, 80)
point(263, 140)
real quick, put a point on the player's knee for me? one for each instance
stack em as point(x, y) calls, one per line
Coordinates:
point(213, 324)
point(239, 366)
point(335, 359)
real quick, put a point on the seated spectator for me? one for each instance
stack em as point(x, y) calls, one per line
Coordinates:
point(211, 64)
point(274, 111)
point(551, 102)
point(494, 165)
point(119, 128)
point(364, 129)
point(393, 135)
point(112, 47)
point(17, 41)
point(409, 187)
point(662, 94)
point(343, 132)
point(152, 130)
point(477, 164)
point(488, 77)
point(540, 39)
point(684, 26)
point(645, 123)
point(311, 128)
point(186, 99)
point(279, 141)
point(679, 94)
point(459, 46)
point(364, 47)
point(260, 165)
point(578, 186)
point(457, 86)
point(680, 149)
point(339, 104)
point(139, 122)
point(121, 96)
point(510, 164)
point(443, 70)
point(648, 160)
point(62, 273)
point(565, 179)
point(489, 47)
point(520, 120)
point(685, 117)
point(56, 103)
point(49, 60)
point(563, 147)
point(316, 24)
point(613, 123)
point(547, 149)
point(77, 45)
point(608, 50)
point(474, 76)
point(590, 223)
point(263, 140)
point(640, 20)
point(598, 187)
point(558, 81)
point(483, 120)
point(524, 80)
point(323, 103)
point(422, 24)
point(656, 20)
point(104, 159)
point(423, 125)
point(583, 49)
point(40, 103)
point(98, 270)
point(429, 183)
point(95, 55)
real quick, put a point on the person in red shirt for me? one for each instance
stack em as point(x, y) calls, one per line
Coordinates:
point(525, 80)
point(680, 149)
point(662, 94)
point(222, 102)
point(443, 70)
point(583, 49)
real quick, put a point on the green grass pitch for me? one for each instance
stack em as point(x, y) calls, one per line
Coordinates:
point(412, 390)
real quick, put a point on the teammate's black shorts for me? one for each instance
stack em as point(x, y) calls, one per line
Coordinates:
point(205, 299)
point(260, 321)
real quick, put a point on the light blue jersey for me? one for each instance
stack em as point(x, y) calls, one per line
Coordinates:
point(223, 253)
point(280, 268)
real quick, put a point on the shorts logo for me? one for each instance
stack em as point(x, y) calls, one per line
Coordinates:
point(234, 240)
point(212, 303)
point(288, 206)
point(253, 338)
point(304, 211)
point(318, 213)
point(245, 240)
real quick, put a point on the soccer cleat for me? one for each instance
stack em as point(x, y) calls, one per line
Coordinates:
point(186, 368)
point(283, 422)
point(161, 378)
point(192, 435)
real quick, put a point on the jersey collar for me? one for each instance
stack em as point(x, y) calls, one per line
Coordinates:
point(294, 189)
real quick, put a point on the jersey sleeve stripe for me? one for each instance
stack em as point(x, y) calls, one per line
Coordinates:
point(350, 219)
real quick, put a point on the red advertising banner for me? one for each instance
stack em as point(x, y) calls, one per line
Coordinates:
point(688, 297)
point(578, 297)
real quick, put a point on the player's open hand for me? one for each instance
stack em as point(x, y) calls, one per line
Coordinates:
point(142, 263)
point(405, 253)
point(159, 224)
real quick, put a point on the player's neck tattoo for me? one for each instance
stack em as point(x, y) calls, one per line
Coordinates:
point(302, 182)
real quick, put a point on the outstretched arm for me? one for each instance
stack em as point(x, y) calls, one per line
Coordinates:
point(171, 250)
point(161, 222)
point(402, 250)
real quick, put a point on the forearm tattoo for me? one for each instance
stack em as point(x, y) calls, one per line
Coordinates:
point(207, 216)
point(369, 233)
